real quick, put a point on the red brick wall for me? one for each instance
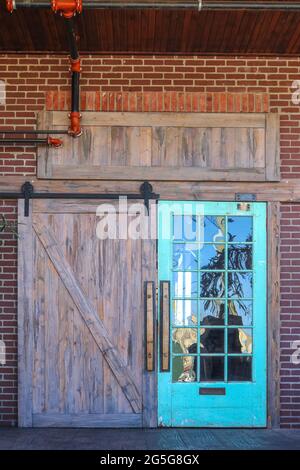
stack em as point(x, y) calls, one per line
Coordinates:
point(176, 84)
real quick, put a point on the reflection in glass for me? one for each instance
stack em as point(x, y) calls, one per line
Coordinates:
point(184, 369)
point(240, 229)
point(184, 341)
point(212, 257)
point(240, 312)
point(240, 369)
point(211, 368)
point(211, 340)
point(184, 312)
point(185, 284)
point(240, 284)
point(185, 256)
point(185, 227)
point(239, 257)
point(240, 340)
point(212, 284)
point(214, 228)
point(212, 312)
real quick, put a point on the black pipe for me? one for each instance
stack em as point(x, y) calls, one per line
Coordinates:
point(75, 70)
point(168, 4)
point(23, 141)
point(33, 132)
point(71, 36)
point(75, 92)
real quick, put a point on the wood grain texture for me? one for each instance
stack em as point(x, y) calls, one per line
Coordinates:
point(56, 420)
point(165, 146)
point(90, 317)
point(273, 233)
point(160, 31)
point(283, 191)
point(86, 295)
point(272, 136)
point(25, 308)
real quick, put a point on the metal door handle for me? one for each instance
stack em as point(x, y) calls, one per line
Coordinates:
point(149, 295)
point(164, 326)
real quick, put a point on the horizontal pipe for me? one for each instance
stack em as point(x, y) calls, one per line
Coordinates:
point(23, 141)
point(33, 132)
point(168, 4)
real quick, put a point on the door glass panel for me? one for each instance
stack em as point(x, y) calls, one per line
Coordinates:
point(240, 285)
point(239, 369)
point(212, 284)
point(184, 312)
point(212, 312)
point(211, 340)
point(212, 304)
point(184, 369)
point(184, 340)
point(211, 369)
point(212, 257)
point(214, 228)
point(185, 284)
point(240, 312)
point(185, 256)
point(240, 340)
point(240, 257)
point(240, 229)
point(185, 228)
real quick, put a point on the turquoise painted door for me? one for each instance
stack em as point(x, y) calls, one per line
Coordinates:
point(212, 319)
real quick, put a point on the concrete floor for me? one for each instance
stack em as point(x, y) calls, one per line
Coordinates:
point(150, 439)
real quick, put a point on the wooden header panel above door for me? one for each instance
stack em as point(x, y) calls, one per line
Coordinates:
point(165, 146)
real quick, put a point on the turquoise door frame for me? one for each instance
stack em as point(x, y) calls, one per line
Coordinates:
point(193, 398)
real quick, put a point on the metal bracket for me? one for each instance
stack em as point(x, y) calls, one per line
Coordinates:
point(245, 197)
point(27, 191)
point(147, 193)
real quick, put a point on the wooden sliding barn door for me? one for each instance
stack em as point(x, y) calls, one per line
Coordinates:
point(81, 321)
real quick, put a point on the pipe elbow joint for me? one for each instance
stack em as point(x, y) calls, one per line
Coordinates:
point(75, 129)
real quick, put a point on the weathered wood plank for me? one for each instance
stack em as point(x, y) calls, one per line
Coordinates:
point(91, 318)
point(284, 191)
point(205, 120)
point(45, 155)
point(171, 173)
point(272, 147)
point(83, 420)
point(273, 233)
point(25, 309)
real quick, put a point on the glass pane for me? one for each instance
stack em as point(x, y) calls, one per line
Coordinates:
point(211, 340)
point(240, 285)
point(212, 312)
point(240, 340)
point(240, 312)
point(185, 256)
point(239, 369)
point(184, 312)
point(240, 257)
point(214, 228)
point(212, 257)
point(211, 369)
point(185, 227)
point(184, 369)
point(185, 284)
point(212, 284)
point(240, 229)
point(184, 340)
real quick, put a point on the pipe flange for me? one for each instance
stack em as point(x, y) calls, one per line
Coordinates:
point(10, 5)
